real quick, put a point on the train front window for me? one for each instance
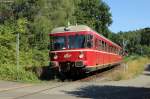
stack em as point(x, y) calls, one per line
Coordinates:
point(71, 42)
point(58, 42)
point(80, 41)
point(76, 41)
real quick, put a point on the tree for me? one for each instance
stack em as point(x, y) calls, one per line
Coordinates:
point(138, 41)
point(7, 43)
point(42, 16)
point(145, 36)
point(5, 12)
point(94, 13)
point(61, 12)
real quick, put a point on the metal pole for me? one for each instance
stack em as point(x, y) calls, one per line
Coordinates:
point(17, 50)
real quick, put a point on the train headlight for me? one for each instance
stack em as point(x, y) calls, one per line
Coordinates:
point(55, 56)
point(81, 55)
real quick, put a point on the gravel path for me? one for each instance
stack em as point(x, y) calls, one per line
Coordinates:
point(137, 88)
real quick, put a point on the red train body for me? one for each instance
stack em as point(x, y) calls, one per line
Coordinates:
point(77, 49)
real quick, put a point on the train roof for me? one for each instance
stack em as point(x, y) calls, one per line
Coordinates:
point(78, 28)
point(71, 29)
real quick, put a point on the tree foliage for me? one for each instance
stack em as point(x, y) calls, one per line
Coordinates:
point(94, 13)
point(134, 42)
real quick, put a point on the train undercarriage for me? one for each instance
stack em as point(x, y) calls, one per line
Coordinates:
point(77, 69)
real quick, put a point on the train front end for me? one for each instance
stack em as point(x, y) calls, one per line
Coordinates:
point(67, 51)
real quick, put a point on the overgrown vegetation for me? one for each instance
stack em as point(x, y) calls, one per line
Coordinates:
point(33, 20)
point(134, 66)
point(13, 73)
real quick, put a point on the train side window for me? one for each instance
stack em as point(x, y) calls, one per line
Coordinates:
point(112, 49)
point(107, 47)
point(115, 50)
point(96, 44)
point(89, 41)
point(103, 45)
point(118, 51)
point(100, 45)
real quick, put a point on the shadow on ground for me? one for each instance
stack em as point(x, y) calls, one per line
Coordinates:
point(147, 68)
point(111, 92)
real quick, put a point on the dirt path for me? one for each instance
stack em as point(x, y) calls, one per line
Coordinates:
point(137, 88)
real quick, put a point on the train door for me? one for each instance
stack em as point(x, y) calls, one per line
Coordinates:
point(96, 52)
point(91, 45)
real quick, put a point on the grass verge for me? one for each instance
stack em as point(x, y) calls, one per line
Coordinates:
point(132, 67)
point(12, 73)
point(27, 59)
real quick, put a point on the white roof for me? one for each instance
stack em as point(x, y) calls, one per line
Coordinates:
point(71, 28)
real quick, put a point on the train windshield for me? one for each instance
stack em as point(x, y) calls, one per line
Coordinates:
point(58, 42)
point(76, 41)
point(71, 42)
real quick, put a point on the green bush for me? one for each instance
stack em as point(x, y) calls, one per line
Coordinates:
point(7, 56)
point(11, 72)
point(146, 50)
point(34, 58)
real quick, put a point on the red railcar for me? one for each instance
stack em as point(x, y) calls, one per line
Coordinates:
point(77, 49)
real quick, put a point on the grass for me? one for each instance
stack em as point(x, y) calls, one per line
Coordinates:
point(132, 67)
point(12, 73)
point(28, 59)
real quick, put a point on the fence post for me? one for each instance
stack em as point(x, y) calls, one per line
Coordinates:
point(125, 66)
point(17, 52)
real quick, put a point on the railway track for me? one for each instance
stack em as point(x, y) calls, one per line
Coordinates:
point(98, 74)
point(36, 92)
point(14, 88)
point(17, 89)
point(101, 74)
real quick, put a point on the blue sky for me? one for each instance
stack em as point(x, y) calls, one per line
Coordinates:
point(129, 14)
